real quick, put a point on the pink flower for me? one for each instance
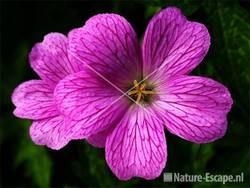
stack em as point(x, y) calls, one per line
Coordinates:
point(125, 96)
point(34, 99)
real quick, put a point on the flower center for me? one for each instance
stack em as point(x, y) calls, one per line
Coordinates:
point(141, 92)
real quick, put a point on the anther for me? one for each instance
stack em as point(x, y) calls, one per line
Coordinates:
point(139, 91)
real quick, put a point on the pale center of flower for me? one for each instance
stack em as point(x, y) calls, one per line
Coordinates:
point(141, 92)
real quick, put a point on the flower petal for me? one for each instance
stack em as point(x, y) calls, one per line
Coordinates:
point(50, 132)
point(108, 44)
point(99, 139)
point(34, 100)
point(137, 146)
point(90, 102)
point(195, 108)
point(173, 45)
point(50, 58)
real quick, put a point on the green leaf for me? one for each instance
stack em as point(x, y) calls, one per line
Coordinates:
point(34, 158)
point(201, 154)
point(229, 27)
point(92, 167)
point(151, 10)
point(187, 6)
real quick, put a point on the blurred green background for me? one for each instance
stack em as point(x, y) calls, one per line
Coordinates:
point(24, 164)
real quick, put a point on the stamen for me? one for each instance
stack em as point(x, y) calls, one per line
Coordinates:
point(138, 97)
point(148, 92)
point(143, 86)
point(140, 91)
point(136, 83)
point(132, 92)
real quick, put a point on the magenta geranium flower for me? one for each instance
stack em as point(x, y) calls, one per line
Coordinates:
point(128, 95)
point(125, 95)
